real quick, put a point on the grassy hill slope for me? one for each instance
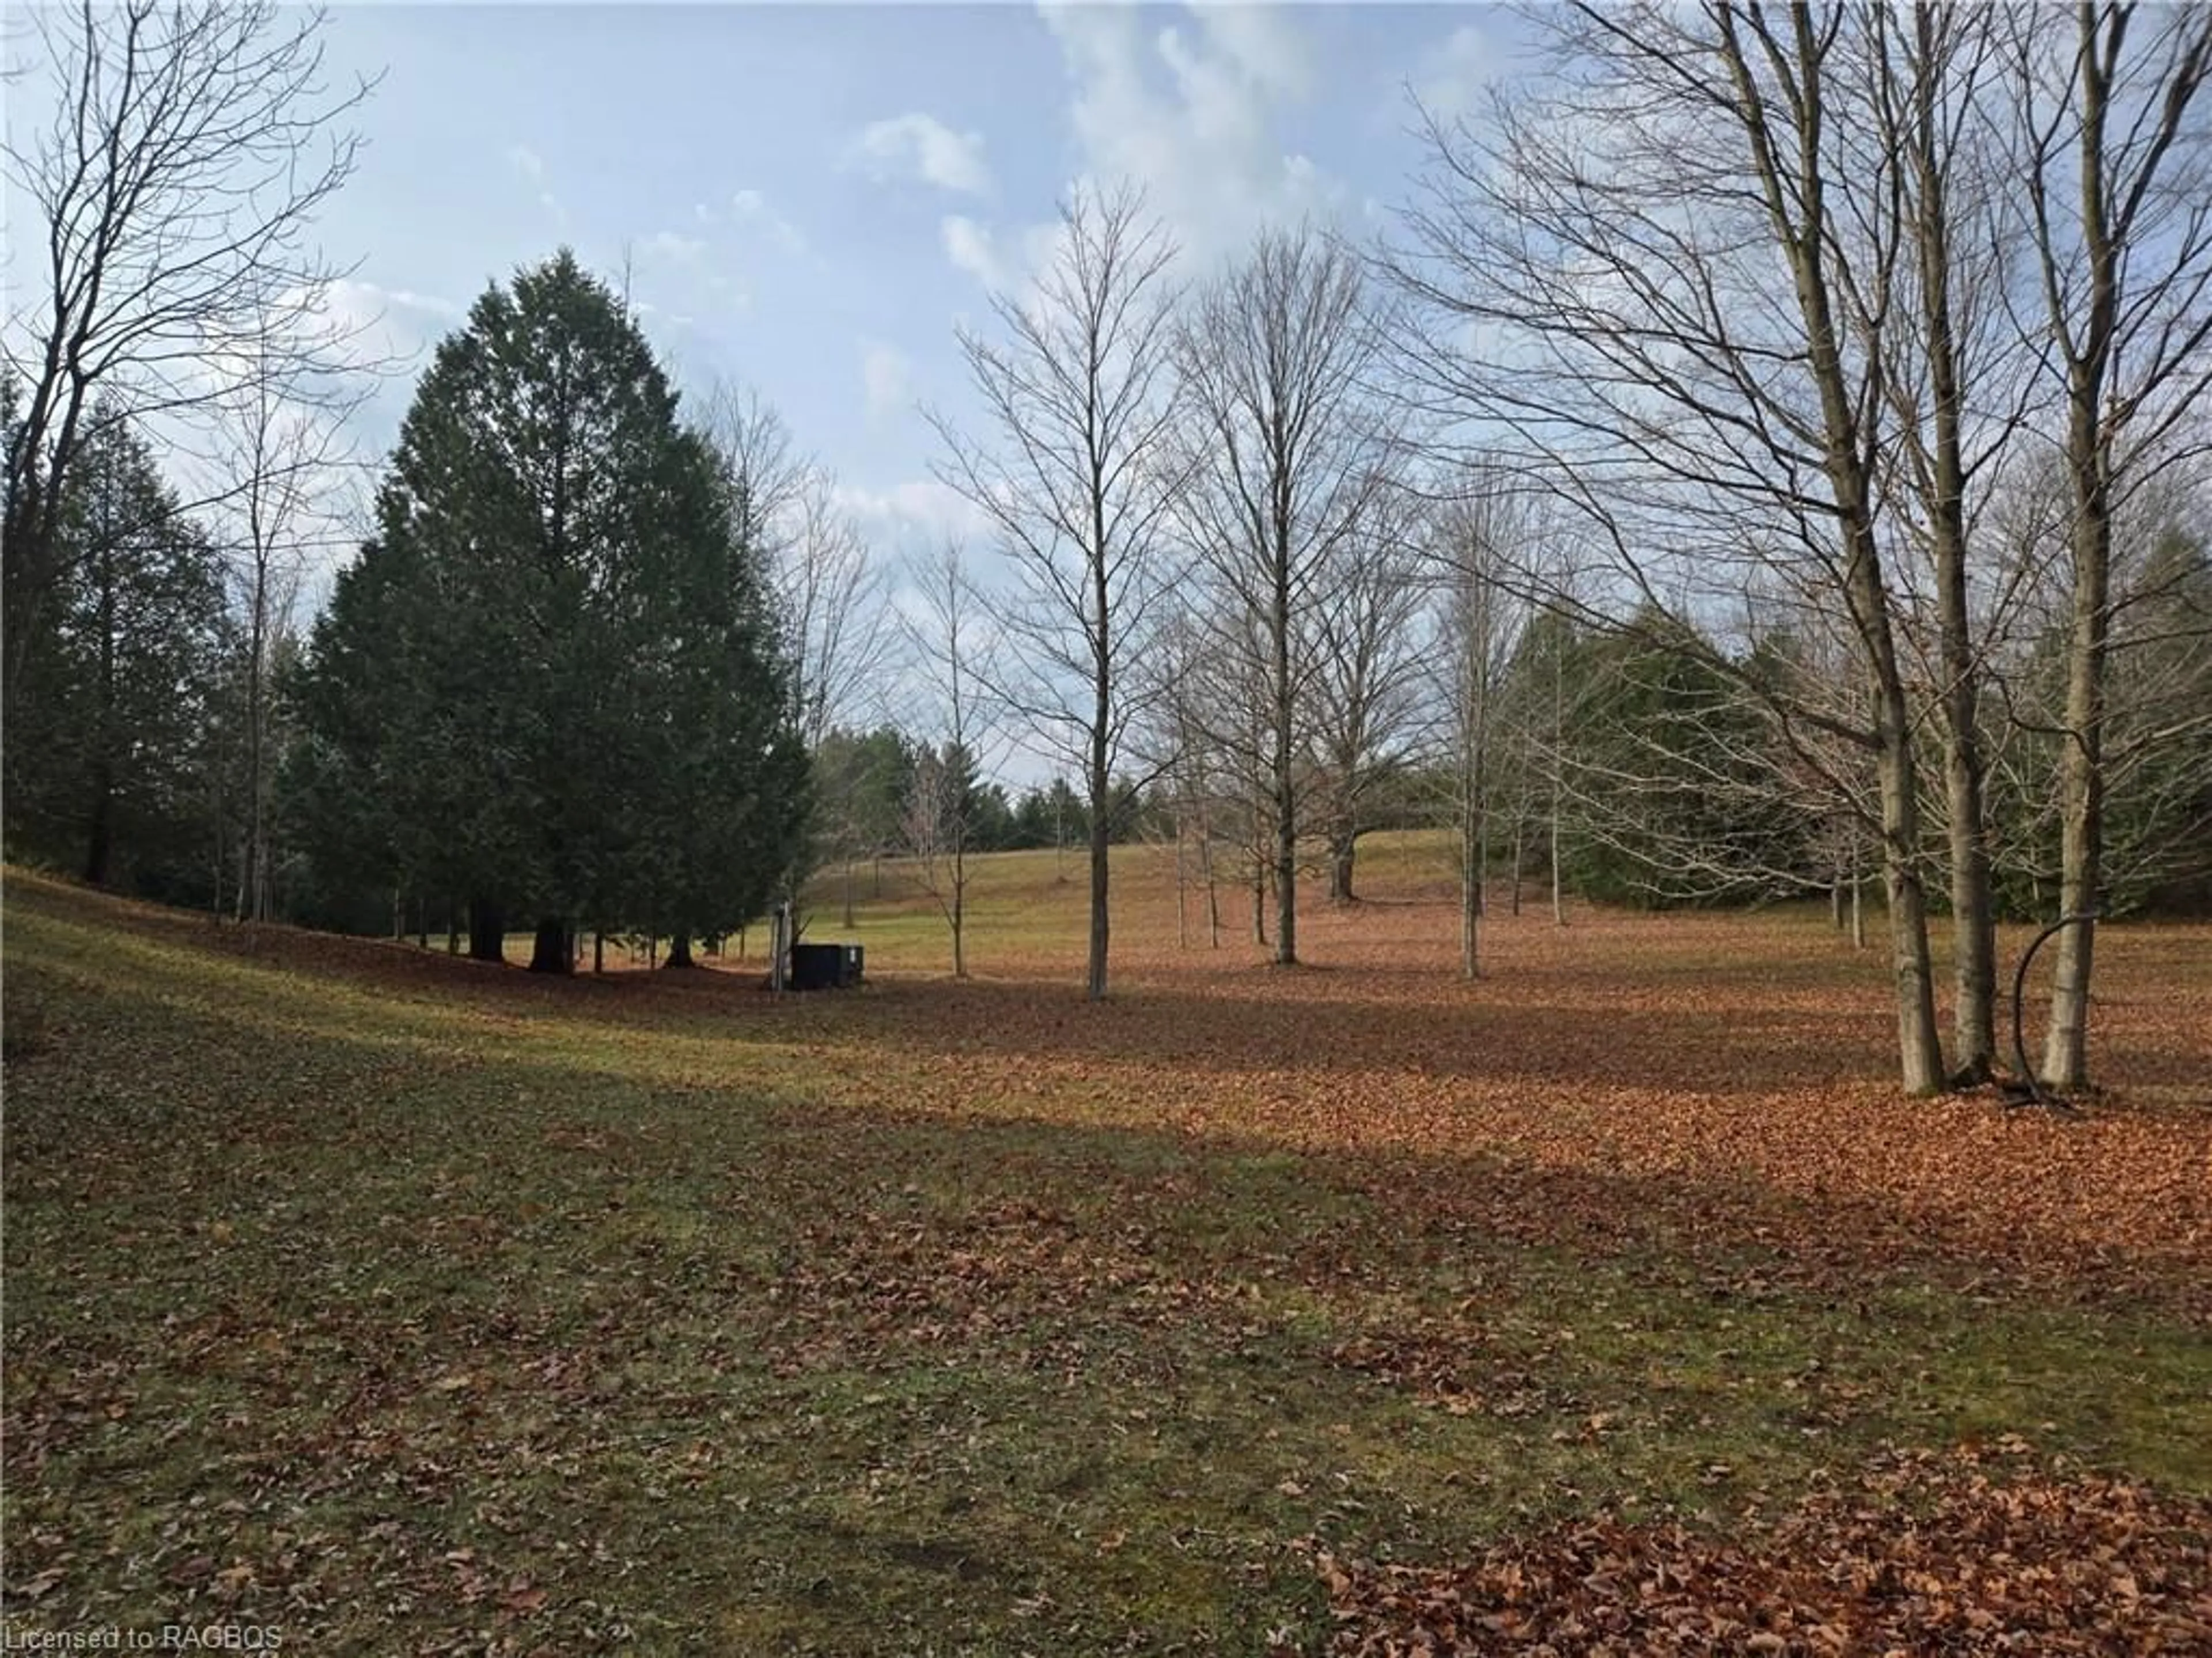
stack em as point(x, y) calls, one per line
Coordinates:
point(409, 1304)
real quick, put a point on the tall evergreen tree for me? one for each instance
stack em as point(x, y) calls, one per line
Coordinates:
point(553, 671)
point(104, 745)
point(724, 790)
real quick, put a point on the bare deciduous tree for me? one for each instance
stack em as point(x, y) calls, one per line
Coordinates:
point(833, 596)
point(945, 649)
point(291, 461)
point(1181, 748)
point(190, 148)
point(1615, 239)
point(1078, 397)
point(1481, 543)
point(2115, 155)
point(1289, 454)
point(1364, 695)
point(830, 593)
point(1957, 399)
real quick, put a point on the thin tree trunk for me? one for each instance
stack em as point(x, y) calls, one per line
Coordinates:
point(99, 826)
point(1972, 913)
point(1181, 874)
point(959, 913)
point(1094, 981)
point(1558, 698)
point(1858, 898)
point(215, 870)
point(1470, 885)
point(1559, 893)
point(1920, 1054)
point(1520, 837)
point(1284, 802)
point(1205, 867)
point(1482, 858)
point(253, 891)
point(1259, 876)
point(1973, 922)
point(1101, 775)
point(1282, 714)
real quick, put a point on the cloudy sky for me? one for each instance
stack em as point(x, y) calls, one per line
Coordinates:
point(808, 197)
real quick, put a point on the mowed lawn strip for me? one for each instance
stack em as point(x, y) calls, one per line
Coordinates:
point(410, 1307)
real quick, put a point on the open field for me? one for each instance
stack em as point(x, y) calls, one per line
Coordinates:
point(408, 1305)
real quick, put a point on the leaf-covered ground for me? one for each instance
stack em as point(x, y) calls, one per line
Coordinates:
point(1918, 1555)
point(405, 1304)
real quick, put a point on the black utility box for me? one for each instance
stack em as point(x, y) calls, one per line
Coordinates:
point(825, 967)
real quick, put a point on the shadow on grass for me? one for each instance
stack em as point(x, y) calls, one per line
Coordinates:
point(399, 1350)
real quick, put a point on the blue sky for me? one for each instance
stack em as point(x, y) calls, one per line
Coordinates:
point(810, 198)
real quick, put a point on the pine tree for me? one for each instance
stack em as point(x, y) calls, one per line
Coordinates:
point(105, 749)
point(551, 684)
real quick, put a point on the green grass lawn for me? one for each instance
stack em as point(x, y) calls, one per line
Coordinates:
point(410, 1307)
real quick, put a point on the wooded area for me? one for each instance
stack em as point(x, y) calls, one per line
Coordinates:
point(1441, 788)
point(1765, 455)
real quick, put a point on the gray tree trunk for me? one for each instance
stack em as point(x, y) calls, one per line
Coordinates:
point(2081, 773)
point(1973, 918)
point(1101, 785)
point(1470, 886)
point(1284, 797)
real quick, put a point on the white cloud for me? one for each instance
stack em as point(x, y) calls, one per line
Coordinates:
point(1453, 73)
point(1189, 111)
point(661, 316)
point(1003, 264)
point(749, 213)
point(887, 377)
point(532, 166)
point(911, 517)
point(920, 146)
point(971, 248)
point(752, 209)
point(672, 247)
point(728, 291)
point(388, 322)
point(1268, 53)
